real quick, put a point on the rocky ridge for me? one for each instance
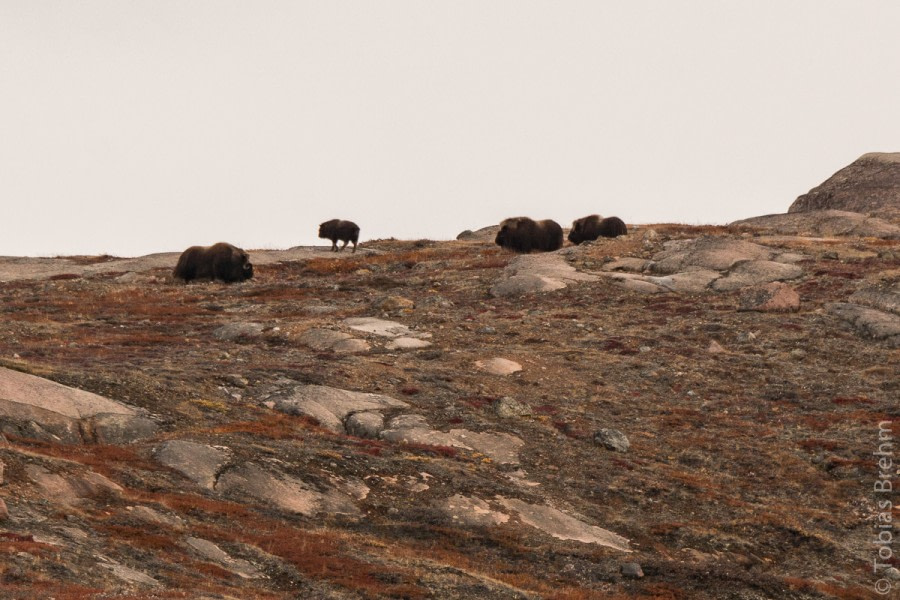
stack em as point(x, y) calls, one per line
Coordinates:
point(681, 412)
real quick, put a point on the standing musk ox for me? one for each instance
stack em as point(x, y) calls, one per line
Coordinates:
point(592, 227)
point(335, 229)
point(220, 261)
point(524, 235)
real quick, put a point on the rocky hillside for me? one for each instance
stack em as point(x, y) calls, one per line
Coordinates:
point(684, 412)
point(870, 185)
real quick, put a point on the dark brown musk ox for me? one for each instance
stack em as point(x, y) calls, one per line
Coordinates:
point(335, 229)
point(524, 235)
point(590, 228)
point(220, 261)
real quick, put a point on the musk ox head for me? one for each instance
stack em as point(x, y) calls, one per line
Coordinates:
point(220, 261)
point(522, 234)
point(335, 229)
point(591, 227)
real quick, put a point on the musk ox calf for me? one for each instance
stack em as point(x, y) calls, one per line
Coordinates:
point(335, 229)
point(592, 227)
point(220, 261)
point(524, 235)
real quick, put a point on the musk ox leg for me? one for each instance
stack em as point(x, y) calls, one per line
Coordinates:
point(334, 245)
point(344, 246)
point(354, 246)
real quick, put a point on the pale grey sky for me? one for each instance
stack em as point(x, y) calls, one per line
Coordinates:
point(130, 127)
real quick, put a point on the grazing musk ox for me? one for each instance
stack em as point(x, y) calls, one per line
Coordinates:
point(524, 235)
point(335, 229)
point(592, 227)
point(220, 261)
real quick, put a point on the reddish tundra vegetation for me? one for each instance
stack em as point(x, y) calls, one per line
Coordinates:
point(680, 412)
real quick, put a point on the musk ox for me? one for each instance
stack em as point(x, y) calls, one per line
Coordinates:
point(220, 261)
point(335, 229)
point(524, 235)
point(592, 227)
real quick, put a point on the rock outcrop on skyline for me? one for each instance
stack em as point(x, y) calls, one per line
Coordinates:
point(869, 185)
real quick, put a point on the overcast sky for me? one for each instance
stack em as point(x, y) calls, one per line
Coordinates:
point(130, 127)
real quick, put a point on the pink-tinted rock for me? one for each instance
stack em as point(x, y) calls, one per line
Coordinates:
point(771, 297)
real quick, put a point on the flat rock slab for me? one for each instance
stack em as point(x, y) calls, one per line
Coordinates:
point(502, 448)
point(211, 552)
point(118, 429)
point(870, 322)
point(331, 406)
point(499, 366)
point(884, 297)
point(689, 282)
point(824, 223)
point(406, 343)
point(472, 511)
point(384, 328)
point(710, 253)
point(336, 341)
point(535, 273)
point(198, 462)
point(253, 483)
point(635, 282)
point(475, 512)
point(755, 272)
point(37, 407)
point(562, 526)
point(127, 574)
point(70, 490)
point(150, 515)
point(22, 388)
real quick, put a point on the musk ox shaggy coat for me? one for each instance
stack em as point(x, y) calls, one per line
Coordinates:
point(524, 235)
point(335, 229)
point(590, 228)
point(220, 261)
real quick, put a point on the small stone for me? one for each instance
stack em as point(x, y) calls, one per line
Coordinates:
point(394, 303)
point(111, 428)
point(612, 439)
point(798, 354)
point(236, 331)
point(351, 346)
point(2, 467)
point(715, 348)
point(4, 512)
point(487, 330)
point(892, 573)
point(499, 366)
point(365, 424)
point(772, 297)
point(632, 570)
point(507, 408)
point(237, 380)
